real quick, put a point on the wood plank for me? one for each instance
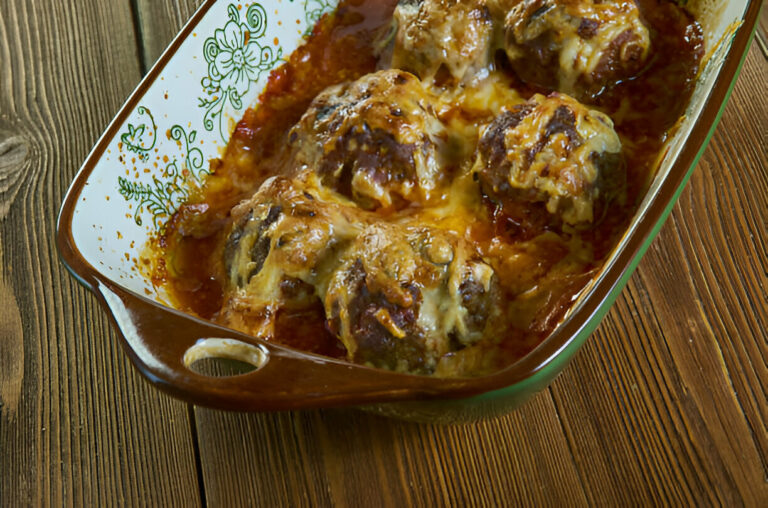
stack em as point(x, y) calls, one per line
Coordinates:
point(348, 458)
point(77, 425)
point(762, 32)
point(158, 23)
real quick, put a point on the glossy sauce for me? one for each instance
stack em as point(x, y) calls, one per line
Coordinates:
point(341, 48)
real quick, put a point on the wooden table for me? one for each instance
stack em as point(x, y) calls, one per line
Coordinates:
point(666, 404)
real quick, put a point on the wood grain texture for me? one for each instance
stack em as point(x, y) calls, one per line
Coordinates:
point(667, 403)
point(158, 23)
point(348, 458)
point(761, 38)
point(77, 426)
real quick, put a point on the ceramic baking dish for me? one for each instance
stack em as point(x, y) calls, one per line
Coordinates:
point(178, 118)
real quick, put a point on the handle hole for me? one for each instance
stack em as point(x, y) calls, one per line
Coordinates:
point(221, 367)
point(224, 358)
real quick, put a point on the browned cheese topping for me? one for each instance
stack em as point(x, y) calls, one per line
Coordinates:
point(552, 150)
point(376, 140)
point(576, 46)
point(437, 39)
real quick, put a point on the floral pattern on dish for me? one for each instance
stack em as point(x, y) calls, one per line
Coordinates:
point(163, 196)
point(236, 57)
point(160, 171)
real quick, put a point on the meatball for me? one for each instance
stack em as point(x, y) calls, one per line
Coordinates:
point(376, 141)
point(281, 243)
point(577, 47)
point(404, 297)
point(555, 151)
point(439, 39)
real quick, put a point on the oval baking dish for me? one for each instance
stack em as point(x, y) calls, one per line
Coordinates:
point(177, 119)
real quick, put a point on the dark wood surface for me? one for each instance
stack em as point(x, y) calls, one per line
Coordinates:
point(666, 404)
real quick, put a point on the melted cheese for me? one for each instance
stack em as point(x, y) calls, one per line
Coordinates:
point(434, 34)
point(583, 33)
point(382, 129)
point(556, 157)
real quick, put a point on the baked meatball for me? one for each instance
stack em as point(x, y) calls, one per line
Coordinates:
point(404, 297)
point(439, 39)
point(552, 150)
point(282, 242)
point(577, 47)
point(376, 140)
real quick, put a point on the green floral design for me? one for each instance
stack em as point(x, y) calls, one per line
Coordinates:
point(163, 196)
point(134, 140)
point(235, 59)
point(314, 10)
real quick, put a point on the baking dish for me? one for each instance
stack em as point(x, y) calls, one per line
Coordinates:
point(178, 118)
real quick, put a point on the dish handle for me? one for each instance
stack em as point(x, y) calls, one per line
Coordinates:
point(164, 343)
